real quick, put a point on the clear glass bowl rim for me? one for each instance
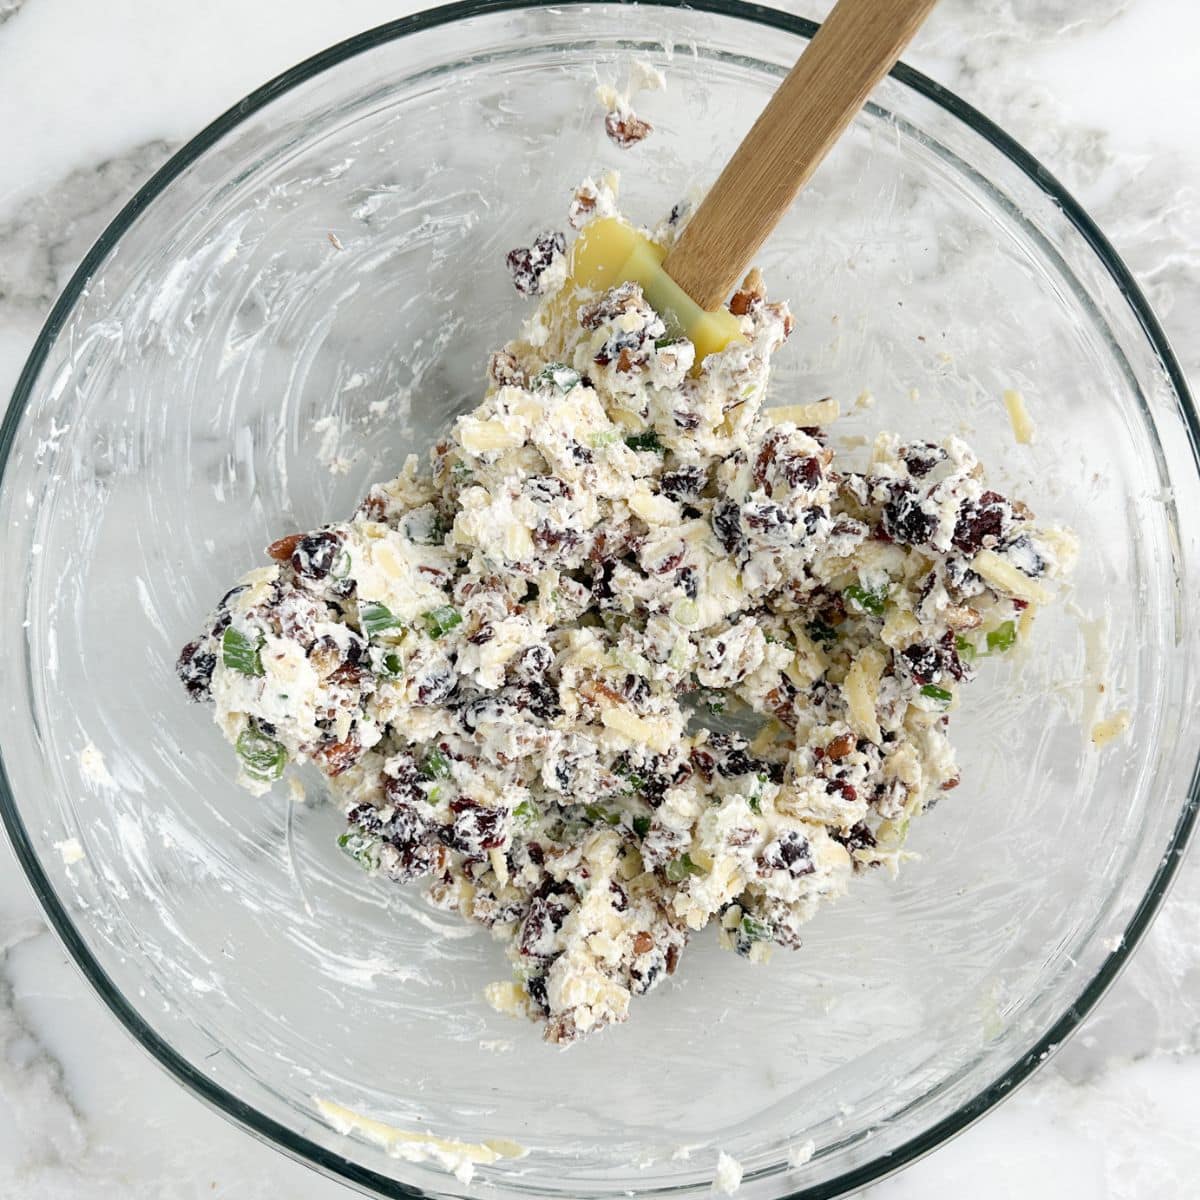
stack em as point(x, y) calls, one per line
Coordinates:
point(281, 1136)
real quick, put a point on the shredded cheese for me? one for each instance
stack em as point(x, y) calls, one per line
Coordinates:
point(999, 571)
point(1110, 728)
point(862, 688)
point(1018, 417)
point(820, 412)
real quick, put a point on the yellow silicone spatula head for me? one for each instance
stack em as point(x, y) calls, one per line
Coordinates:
point(609, 252)
point(858, 44)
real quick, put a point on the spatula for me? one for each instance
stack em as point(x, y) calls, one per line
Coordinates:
point(856, 46)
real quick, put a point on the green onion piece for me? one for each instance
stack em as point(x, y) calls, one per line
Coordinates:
point(820, 632)
point(436, 765)
point(1002, 638)
point(239, 653)
point(871, 600)
point(937, 693)
point(645, 441)
point(966, 648)
point(375, 618)
point(439, 621)
point(755, 802)
point(363, 848)
point(605, 437)
point(264, 757)
point(685, 612)
point(392, 664)
point(596, 814)
point(716, 706)
point(633, 781)
point(678, 869)
point(341, 566)
point(525, 811)
point(460, 473)
point(558, 375)
point(641, 826)
point(755, 930)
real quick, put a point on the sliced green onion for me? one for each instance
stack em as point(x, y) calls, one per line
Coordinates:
point(392, 664)
point(439, 621)
point(596, 814)
point(685, 612)
point(937, 693)
point(755, 802)
point(605, 437)
point(633, 781)
point(436, 765)
point(755, 930)
point(820, 632)
point(341, 565)
point(966, 648)
point(363, 848)
point(678, 869)
point(871, 600)
point(264, 758)
point(558, 375)
point(647, 440)
point(525, 811)
point(375, 618)
point(239, 653)
point(1002, 638)
point(641, 826)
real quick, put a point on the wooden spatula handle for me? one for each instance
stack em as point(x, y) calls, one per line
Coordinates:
point(858, 44)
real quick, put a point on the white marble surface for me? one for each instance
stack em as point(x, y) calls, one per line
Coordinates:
point(94, 95)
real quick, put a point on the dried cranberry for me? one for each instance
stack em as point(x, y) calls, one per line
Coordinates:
point(365, 816)
point(533, 662)
point(547, 537)
point(436, 684)
point(980, 522)
point(904, 520)
point(195, 670)
point(536, 987)
point(687, 579)
point(687, 483)
point(803, 471)
point(766, 518)
point(921, 457)
point(857, 837)
point(408, 825)
point(790, 852)
point(545, 918)
point(727, 525)
point(316, 554)
point(527, 265)
point(635, 689)
point(924, 662)
point(400, 778)
point(476, 827)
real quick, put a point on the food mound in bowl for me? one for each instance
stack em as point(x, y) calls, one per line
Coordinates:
point(632, 654)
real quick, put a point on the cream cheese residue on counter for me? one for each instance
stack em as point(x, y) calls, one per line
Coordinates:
point(630, 654)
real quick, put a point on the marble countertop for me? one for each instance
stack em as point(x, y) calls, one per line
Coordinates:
point(94, 96)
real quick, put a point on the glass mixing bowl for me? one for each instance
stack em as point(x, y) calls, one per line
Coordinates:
point(307, 292)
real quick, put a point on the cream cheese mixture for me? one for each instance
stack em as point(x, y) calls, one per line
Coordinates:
point(630, 654)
